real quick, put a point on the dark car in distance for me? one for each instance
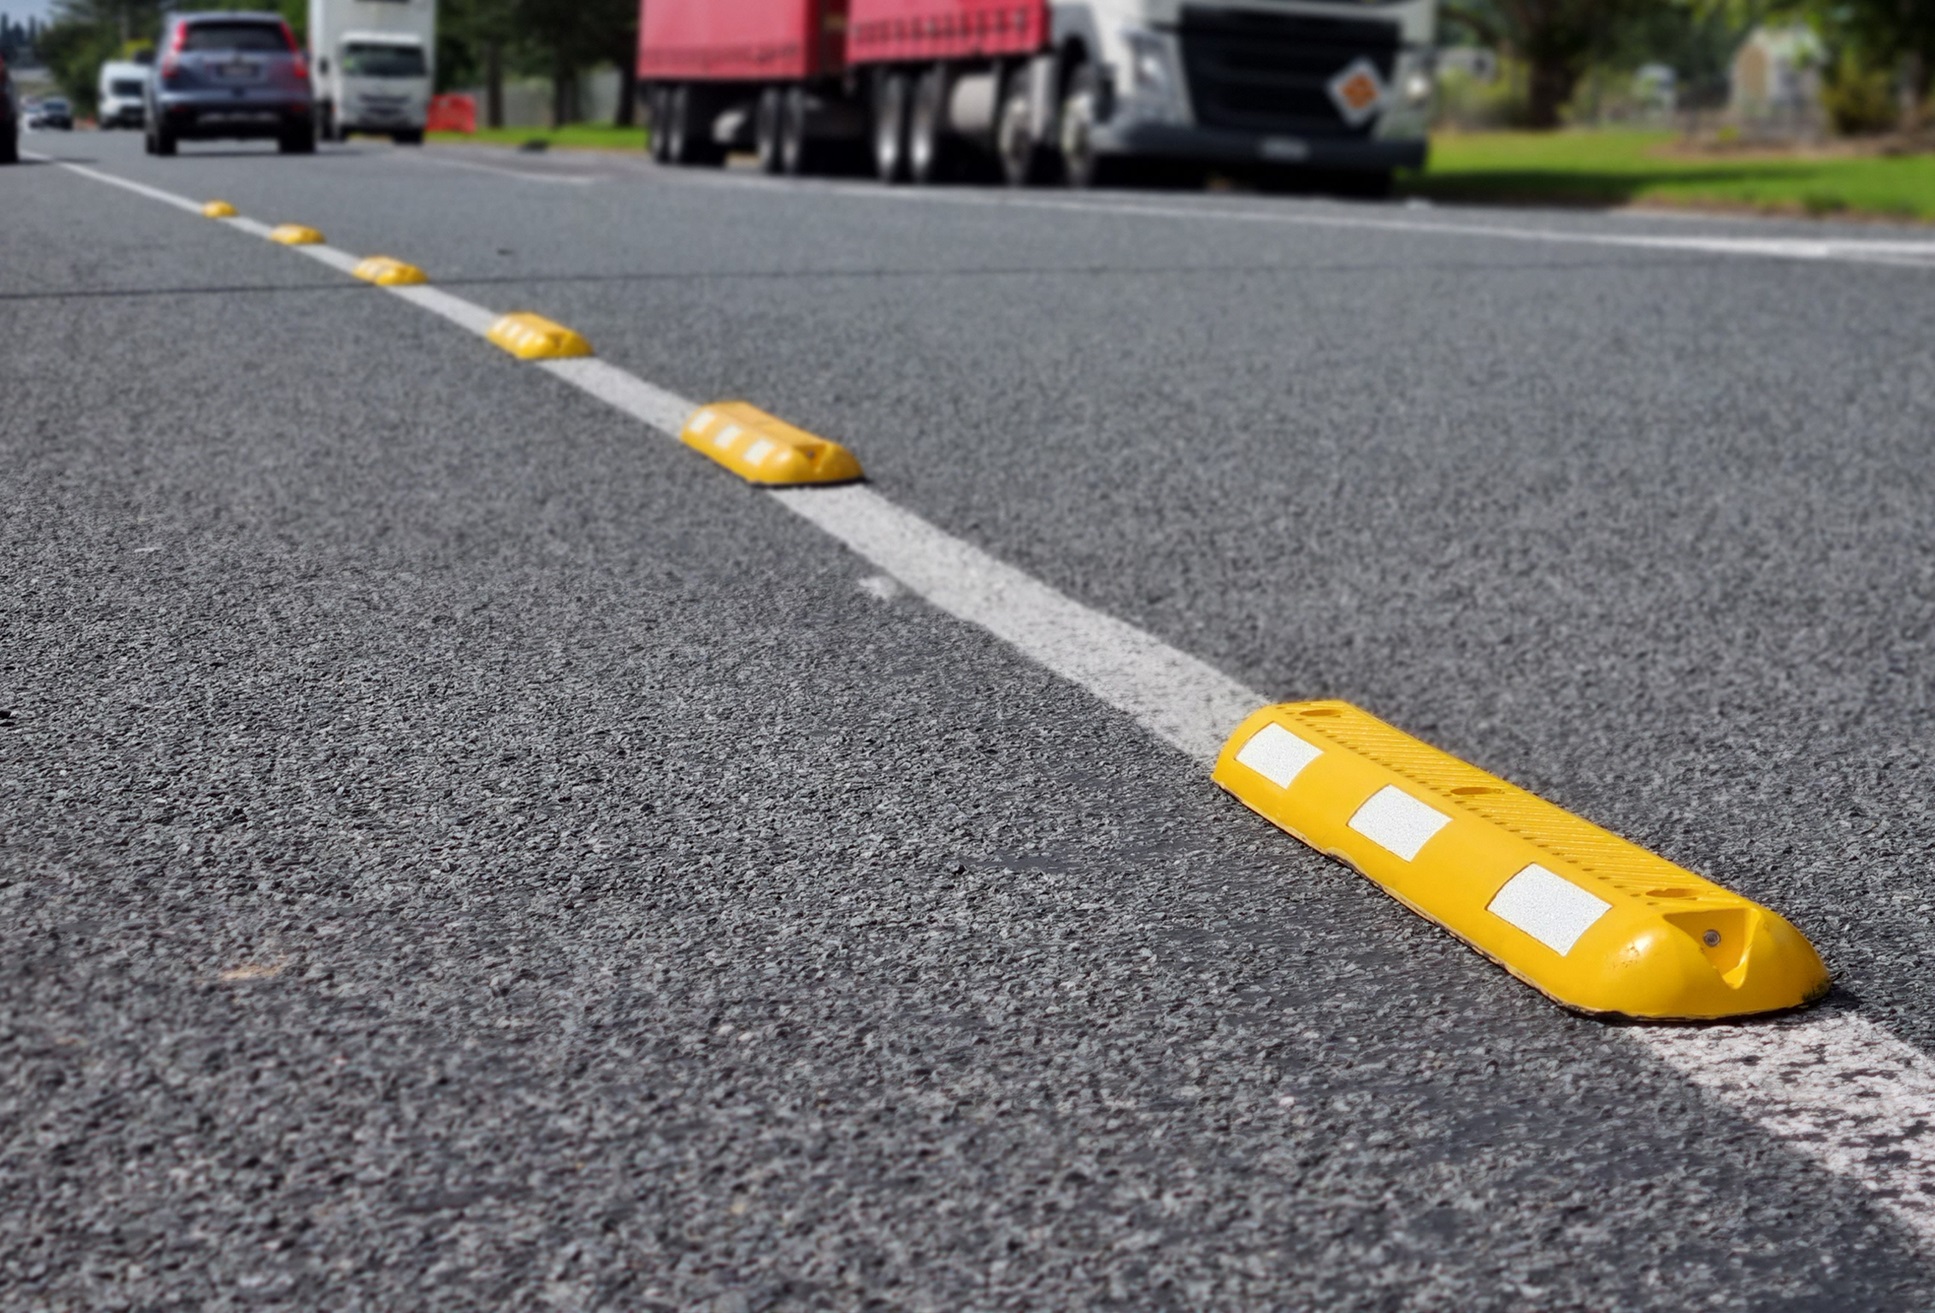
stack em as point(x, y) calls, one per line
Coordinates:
point(9, 117)
point(230, 76)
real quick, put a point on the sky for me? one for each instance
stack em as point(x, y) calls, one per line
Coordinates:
point(22, 10)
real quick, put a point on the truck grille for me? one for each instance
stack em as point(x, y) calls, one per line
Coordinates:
point(1268, 72)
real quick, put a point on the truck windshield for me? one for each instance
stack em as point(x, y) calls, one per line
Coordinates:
point(235, 36)
point(374, 61)
point(126, 87)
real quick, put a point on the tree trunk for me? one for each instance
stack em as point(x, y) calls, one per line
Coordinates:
point(625, 116)
point(1551, 89)
point(494, 85)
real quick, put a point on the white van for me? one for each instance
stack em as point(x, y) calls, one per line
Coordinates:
point(122, 85)
point(374, 62)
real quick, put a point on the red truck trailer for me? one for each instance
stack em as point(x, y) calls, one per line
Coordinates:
point(1076, 89)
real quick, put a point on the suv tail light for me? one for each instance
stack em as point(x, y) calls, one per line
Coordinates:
point(171, 62)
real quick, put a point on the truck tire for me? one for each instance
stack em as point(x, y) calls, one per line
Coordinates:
point(797, 155)
point(408, 137)
point(659, 99)
point(164, 141)
point(890, 106)
point(929, 152)
point(767, 129)
point(686, 141)
point(1082, 167)
point(10, 145)
point(1025, 161)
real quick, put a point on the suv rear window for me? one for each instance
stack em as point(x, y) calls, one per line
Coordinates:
point(264, 37)
point(374, 61)
point(126, 87)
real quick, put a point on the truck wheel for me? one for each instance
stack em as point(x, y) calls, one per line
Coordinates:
point(890, 98)
point(689, 142)
point(164, 141)
point(796, 154)
point(660, 101)
point(10, 146)
point(1024, 163)
point(1082, 167)
point(927, 144)
point(677, 107)
point(408, 137)
point(766, 129)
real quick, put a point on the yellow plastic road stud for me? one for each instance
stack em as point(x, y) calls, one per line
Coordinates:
point(387, 272)
point(533, 337)
point(218, 210)
point(294, 234)
point(1595, 922)
point(768, 451)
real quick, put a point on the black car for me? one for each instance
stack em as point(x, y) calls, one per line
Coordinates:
point(230, 75)
point(9, 118)
point(53, 113)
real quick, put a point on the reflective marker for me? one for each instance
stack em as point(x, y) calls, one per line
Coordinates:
point(533, 337)
point(294, 234)
point(385, 271)
point(218, 210)
point(1595, 922)
point(767, 451)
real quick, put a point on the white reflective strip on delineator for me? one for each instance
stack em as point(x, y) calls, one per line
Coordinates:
point(1548, 907)
point(1277, 755)
point(1395, 821)
point(759, 451)
point(727, 436)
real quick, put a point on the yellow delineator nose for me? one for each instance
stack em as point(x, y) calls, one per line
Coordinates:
point(386, 271)
point(767, 451)
point(1593, 921)
point(295, 234)
point(218, 210)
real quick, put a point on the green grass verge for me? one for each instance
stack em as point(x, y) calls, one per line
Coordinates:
point(577, 136)
point(1616, 168)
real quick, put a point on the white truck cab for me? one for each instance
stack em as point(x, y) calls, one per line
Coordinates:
point(1326, 84)
point(374, 62)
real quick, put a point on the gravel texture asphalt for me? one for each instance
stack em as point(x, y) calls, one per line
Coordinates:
point(460, 850)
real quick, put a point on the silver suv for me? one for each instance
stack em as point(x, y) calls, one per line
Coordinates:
point(230, 75)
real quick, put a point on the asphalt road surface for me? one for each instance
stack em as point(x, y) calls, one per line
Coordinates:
point(462, 849)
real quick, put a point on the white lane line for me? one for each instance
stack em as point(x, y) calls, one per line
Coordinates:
point(1909, 254)
point(1182, 701)
point(1837, 1088)
point(565, 180)
point(330, 256)
point(665, 411)
point(249, 226)
point(467, 315)
point(139, 189)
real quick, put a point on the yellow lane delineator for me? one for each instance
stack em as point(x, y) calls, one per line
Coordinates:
point(387, 272)
point(768, 451)
point(1595, 922)
point(218, 210)
point(533, 337)
point(294, 234)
